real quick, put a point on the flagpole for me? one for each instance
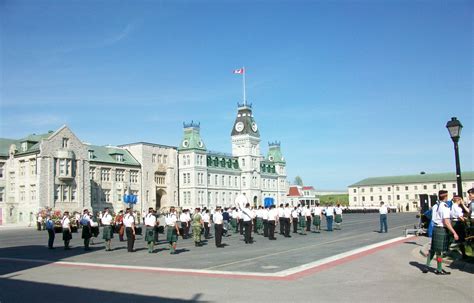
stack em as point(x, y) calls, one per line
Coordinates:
point(243, 80)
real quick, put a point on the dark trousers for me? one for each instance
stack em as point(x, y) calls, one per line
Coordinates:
point(329, 220)
point(383, 223)
point(241, 226)
point(295, 225)
point(265, 228)
point(51, 236)
point(271, 229)
point(38, 225)
point(308, 223)
point(254, 223)
point(282, 226)
point(247, 225)
point(287, 227)
point(206, 230)
point(130, 238)
point(218, 230)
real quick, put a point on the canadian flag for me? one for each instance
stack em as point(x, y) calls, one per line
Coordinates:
point(239, 71)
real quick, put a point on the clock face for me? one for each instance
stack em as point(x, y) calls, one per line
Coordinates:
point(239, 126)
point(254, 127)
point(185, 143)
point(200, 144)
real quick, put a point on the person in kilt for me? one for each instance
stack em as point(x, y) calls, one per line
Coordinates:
point(294, 219)
point(302, 221)
point(317, 215)
point(108, 232)
point(67, 234)
point(150, 231)
point(338, 217)
point(197, 223)
point(86, 229)
point(172, 229)
point(459, 222)
point(234, 220)
point(441, 234)
point(259, 220)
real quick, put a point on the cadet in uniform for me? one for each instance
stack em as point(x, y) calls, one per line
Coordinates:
point(86, 229)
point(66, 225)
point(206, 219)
point(287, 220)
point(294, 216)
point(338, 218)
point(247, 223)
point(129, 223)
point(265, 221)
point(281, 219)
point(50, 229)
point(307, 216)
point(440, 241)
point(458, 222)
point(119, 225)
point(172, 229)
point(108, 235)
point(317, 213)
point(218, 226)
point(383, 211)
point(196, 223)
point(150, 231)
point(329, 216)
point(272, 219)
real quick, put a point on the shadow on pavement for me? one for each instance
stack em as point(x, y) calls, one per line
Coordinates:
point(412, 243)
point(420, 266)
point(462, 266)
point(59, 293)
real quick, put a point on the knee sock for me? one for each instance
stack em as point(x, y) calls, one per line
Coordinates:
point(429, 257)
point(439, 260)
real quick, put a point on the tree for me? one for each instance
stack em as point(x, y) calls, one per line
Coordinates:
point(298, 181)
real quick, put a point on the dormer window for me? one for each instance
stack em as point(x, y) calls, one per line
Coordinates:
point(91, 154)
point(119, 158)
point(24, 146)
point(65, 143)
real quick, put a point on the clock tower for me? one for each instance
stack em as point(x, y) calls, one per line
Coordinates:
point(246, 148)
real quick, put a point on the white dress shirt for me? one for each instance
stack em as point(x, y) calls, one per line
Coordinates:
point(128, 220)
point(150, 220)
point(106, 219)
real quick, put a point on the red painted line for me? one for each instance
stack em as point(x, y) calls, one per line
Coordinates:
point(291, 277)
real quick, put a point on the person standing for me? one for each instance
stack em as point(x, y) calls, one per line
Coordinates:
point(272, 220)
point(66, 226)
point(86, 229)
point(234, 222)
point(183, 218)
point(281, 219)
point(265, 221)
point(218, 220)
point(259, 219)
point(458, 222)
point(129, 223)
point(440, 241)
point(50, 229)
point(247, 223)
point(383, 211)
point(241, 221)
point(287, 220)
point(119, 225)
point(206, 219)
point(150, 229)
point(317, 216)
point(226, 218)
point(172, 229)
point(471, 206)
point(197, 224)
point(307, 215)
point(329, 211)
point(338, 218)
point(294, 217)
point(39, 222)
point(108, 233)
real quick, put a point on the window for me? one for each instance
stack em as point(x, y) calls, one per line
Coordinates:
point(119, 175)
point(91, 154)
point(398, 197)
point(2, 193)
point(22, 193)
point(416, 187)
point(119, 195)
point(57, 191)
point(425, 187)
point(160, 157)
point(434, 186)
point(133, 176)
point(24, 146)
point(371, 189)
point(106, 195)
point(355, 199)
point(380, 198)
point(65, 193)
point(354, 190)
point(243, 162)
point(397, 188)
point(208, 179)
point(12, 181)
point(22, 168)
point(230, 181)
point(216, 180)
point(389, 198)
point(454, 185)
point(244, 182)
point(32, 167)
point(406, 187)
point(407, 196)
point(371, 198)
point(105, 174)
point(2, 164)
point(444, 186)
point(73, 193)
point(119, 158)
point(65, 143)
point(159, 178)
point(185, 180)
point(92, 173)
point(235, 181)
point(363, 190)
point(389, 188)
point(223, 180)
point(33, 192)
point(416, 196)
point(153, 158)
point(165, 159)
point(363, 199)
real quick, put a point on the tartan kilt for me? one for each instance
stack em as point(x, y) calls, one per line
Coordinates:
point(171, 234)
point(317, 220)
point(108, 233)
point(66, 235)
point(233, 222)
point(302, 221)
point(440, 240)
point(259, 223)
point(338, 219)
point(150, 234)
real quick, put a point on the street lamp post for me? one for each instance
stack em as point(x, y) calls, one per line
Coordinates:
point(454, 127)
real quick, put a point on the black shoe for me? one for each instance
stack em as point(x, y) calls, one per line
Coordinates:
point(442, 272)
point(425, 270)
point(445, 272)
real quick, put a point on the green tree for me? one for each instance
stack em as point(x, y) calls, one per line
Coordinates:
point(298, 181)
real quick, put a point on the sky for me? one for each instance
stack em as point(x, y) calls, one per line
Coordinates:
point(351, 89)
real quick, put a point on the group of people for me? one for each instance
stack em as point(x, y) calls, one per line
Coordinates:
point(449, 220)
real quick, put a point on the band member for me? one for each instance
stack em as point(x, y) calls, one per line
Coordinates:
point(459, 222)
point(108, 235)
point(86, 228)
point(317, 216)
point(383, 211)
point(120, 229)
point(150, 232)
point(440, 241)
point(50, 229)
point(206, 219)
point(287, 220)
point(66, 225)
point(272, 220)
point(338, 218)
point(307, 215)
point(172, 229)
point(259, 220)
point(247, 223)
point(265, 221)
point(226, 217)
point(281, 219)
point(294, 218)
point(39, 221)
point(196, 224)
point(329, 211)
point(183, 218)
point(241, 221)
point(218, 226)
point(129, 223)
point(234, 222)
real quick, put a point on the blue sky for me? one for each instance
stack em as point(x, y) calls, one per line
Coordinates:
point(352, 89)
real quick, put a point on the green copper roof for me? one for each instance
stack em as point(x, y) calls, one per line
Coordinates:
point(222, 161)
point(192, 138)
point(425, 178)
point(274, 153)
point(245, 123)
point(108, 154)
point(32, 144)
point(267, 167)
point(5, 146)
